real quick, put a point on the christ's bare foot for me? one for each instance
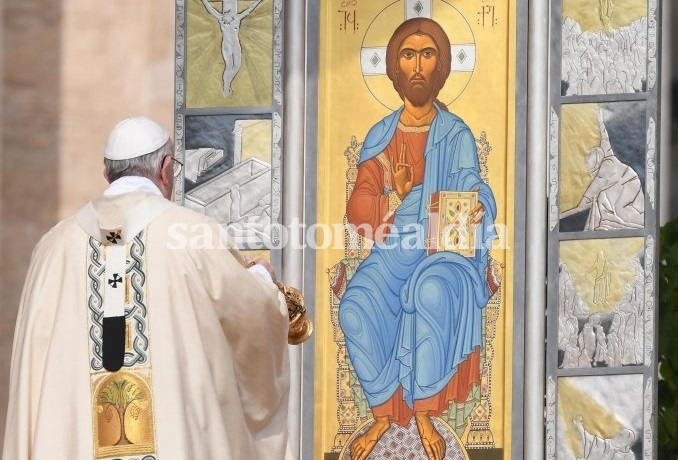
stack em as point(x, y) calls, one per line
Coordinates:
point(363, 444)
point(433, 443)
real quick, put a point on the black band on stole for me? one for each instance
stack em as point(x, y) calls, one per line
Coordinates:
point(113, 348)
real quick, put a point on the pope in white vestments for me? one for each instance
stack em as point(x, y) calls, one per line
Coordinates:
point(141, 335)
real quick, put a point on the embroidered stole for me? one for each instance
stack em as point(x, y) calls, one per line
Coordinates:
point(119, 334)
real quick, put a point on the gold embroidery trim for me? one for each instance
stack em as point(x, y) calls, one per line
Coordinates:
point(394, 202)
point(386, 167)
point(122, 401)
point(413, 129)
point(123, 414)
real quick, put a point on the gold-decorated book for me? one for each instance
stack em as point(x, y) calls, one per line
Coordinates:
point(450, 227)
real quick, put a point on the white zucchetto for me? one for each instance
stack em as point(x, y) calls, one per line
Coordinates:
point(134, 137)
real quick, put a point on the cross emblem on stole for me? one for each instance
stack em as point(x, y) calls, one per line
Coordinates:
point(115, 280)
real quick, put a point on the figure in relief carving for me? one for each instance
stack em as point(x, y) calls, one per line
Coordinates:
point(572, 355)
point(598, 448)
point(587, 344)
point(624, 344)
point(614, 197)
point(600, 356)
point(606, 8)
point(229, 21)
point(614, 349)
point(602, 279)
point(608, 61)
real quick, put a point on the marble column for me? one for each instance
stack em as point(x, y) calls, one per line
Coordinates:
point(30, 151)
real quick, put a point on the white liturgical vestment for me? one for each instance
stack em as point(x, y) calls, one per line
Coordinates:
point(205, 372)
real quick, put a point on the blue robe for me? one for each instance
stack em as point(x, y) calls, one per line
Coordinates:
point(410, 319)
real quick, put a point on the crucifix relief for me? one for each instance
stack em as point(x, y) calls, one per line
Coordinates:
point(229, 20)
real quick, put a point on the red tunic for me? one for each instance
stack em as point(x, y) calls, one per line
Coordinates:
point(368, 204)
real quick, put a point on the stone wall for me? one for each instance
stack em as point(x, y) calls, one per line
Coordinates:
point(71, 69)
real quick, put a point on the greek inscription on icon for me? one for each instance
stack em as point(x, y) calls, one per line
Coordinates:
point(487, 16)
point(348, 20)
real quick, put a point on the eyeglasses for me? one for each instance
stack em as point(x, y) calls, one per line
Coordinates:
point(178, 166)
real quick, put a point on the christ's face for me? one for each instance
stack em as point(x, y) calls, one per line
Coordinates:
point(418, 65)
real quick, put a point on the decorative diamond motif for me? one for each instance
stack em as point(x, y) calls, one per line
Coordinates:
point(462, 56)
point(418, 7)
point(375, 60)
point(404, 443)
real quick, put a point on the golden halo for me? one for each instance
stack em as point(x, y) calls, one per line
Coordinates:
point(378, 33)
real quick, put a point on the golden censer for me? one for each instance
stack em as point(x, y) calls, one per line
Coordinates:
point(301, 326)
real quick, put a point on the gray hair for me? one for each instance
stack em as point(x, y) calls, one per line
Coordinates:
point(145, 166)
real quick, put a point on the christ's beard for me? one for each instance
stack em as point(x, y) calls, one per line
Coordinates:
point(418, 93)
